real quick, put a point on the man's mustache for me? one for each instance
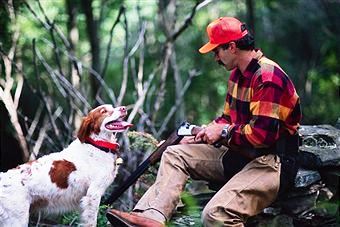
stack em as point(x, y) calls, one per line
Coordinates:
point(220, 63)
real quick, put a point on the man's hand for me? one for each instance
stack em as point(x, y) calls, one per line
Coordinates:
point(210, 134)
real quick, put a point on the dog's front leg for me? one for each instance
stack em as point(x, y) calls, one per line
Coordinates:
point(89, 206)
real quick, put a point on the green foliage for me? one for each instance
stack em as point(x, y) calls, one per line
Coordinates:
point(140, 144)
point(191, 205)
point(4, 25)
point(141, 141)
point(323, 99)
point(190, 214)
point(303, 38)
point(72, 219)
point(300, 35)
point(328, 208)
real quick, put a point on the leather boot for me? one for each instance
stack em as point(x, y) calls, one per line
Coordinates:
point(123, 219)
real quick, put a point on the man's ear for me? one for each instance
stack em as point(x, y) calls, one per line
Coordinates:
point(232, 47)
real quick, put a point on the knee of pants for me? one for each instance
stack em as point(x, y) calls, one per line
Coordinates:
point(171, 157)
point(172, 152)
point(209, 215)
point(220, 216)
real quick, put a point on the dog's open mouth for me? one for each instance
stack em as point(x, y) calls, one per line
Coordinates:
point(117, 125)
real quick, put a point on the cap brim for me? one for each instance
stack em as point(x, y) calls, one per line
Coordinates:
point(207, 47)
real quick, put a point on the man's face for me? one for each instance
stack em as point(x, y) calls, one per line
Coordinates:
point(224, 57)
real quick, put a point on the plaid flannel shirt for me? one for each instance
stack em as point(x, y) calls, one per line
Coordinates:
point(261, 104)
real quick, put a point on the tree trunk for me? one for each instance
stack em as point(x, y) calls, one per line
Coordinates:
point(251, 15)
point(92, 32)
point(74, 73)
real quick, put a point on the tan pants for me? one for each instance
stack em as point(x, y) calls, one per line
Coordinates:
point(246, 194)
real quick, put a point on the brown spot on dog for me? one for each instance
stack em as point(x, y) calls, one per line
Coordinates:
point(91, 123)
point(38, 204)
point(60, 171)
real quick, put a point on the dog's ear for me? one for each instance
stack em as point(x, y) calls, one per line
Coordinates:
point(85, 129)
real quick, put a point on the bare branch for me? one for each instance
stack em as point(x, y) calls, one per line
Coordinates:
point(126, 61)
point(47, 25)
point(61, 82)
point(179, 100)
point(180, 115)
point(34, 123)
point(164, 73)
point(139, 41)
point(125, 65)
point(145, 119)
point(108, 49)
point(11, 103)
point(94, 41)
point(140, 73)
point(188, 19)
point(43, 97)
point(186, 24)
point(141, 99)
point(20, 83)
point(40, 140)
point(92, 72)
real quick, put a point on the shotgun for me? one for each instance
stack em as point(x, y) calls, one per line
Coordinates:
point(185, 129)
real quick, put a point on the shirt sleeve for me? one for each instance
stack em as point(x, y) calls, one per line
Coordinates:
point(225, 117)
point(267, 113)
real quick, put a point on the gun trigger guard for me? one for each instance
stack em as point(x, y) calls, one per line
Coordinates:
point(185, 129)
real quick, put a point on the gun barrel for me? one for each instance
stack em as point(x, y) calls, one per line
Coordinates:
point(128, 182)
point(151, 160)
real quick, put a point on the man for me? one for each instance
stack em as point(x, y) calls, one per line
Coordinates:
point(258, 130)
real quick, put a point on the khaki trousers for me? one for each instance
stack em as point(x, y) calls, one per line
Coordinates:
point(246, 194)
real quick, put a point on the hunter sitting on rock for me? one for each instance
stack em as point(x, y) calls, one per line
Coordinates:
point(261, 116)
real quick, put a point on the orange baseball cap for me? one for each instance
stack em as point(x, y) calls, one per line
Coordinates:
point(223, 30)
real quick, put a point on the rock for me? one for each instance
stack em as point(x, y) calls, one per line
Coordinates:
point(305, 178)
point(277, 221)
point(323, 141)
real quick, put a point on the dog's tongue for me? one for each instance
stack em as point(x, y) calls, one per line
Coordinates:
point(118, 125)
point(126, 124)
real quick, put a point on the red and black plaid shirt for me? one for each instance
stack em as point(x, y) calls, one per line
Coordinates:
point(261, 104)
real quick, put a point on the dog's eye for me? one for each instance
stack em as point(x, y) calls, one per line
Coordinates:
point(103, 111)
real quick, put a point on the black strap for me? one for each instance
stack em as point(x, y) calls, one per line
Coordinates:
point(287, 148)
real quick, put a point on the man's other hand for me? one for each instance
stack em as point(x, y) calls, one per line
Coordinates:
point(210, 134)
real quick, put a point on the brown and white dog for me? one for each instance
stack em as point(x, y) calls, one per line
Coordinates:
point(73, 179)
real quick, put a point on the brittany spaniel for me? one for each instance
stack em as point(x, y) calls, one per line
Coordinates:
point(72, 179)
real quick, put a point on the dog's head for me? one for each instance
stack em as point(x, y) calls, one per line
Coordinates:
point(103, 119)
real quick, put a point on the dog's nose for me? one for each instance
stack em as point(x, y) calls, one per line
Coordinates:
point(122, 109)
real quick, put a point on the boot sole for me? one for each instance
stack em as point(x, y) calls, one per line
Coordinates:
point(117, 221)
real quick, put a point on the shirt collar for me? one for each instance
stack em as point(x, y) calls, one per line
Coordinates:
point(253, 64)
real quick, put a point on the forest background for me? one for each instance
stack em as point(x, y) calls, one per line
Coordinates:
point(60, 58)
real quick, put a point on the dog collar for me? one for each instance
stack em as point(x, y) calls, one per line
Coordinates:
point(103, 145)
